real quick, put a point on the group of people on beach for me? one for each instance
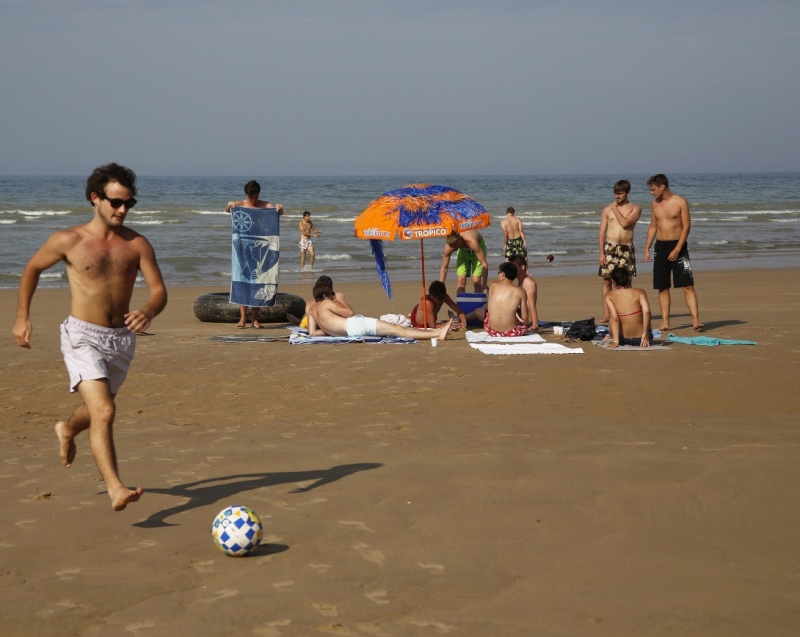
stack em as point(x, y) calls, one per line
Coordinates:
point(103, 258)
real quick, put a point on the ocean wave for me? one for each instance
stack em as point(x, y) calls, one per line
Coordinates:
point(7, 221)
point(42, 213)
point(334, 257)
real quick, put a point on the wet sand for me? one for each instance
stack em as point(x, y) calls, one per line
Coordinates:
point(411, 490)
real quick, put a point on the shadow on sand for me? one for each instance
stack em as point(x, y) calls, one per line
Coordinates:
point(205, 492)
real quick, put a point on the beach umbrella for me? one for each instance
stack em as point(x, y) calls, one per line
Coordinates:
point(417, 211)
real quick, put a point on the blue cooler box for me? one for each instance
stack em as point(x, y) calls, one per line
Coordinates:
point(469, 301)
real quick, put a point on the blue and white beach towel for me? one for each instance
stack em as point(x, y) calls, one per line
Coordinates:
point(255, 255)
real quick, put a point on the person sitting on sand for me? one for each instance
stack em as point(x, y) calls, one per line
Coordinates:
point(303, 323)
point(527, 283)
point(507, 305)
point(327, 318)
point(436, 297)
point(628, 310)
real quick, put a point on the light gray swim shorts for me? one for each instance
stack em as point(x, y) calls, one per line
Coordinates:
point(92, 352)
point(362, 326)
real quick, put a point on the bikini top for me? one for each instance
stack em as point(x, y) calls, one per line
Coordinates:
point(639, 311)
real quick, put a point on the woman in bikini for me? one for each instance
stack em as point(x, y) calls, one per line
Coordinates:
point(629, 311)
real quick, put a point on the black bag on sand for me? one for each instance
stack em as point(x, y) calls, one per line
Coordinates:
point(581, 330)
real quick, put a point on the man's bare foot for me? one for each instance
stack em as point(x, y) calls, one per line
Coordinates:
point(241, 326)
point(603, 321)
point(698, 327)
point(66, 444)
point(122, 497)
point(665, 327)
point(257, 325)
point(445, 329)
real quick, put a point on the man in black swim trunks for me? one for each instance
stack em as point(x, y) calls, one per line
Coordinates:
point(669, 226)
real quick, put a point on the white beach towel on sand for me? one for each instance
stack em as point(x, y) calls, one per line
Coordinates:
point(525, 348)
point(483, 337)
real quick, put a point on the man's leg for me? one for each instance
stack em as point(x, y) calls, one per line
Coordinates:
point(66, 430)
point(302, 258)
point(390, 329)
point(461, 284)
point(312, 255)
point(691, 301)
point(606, 290)
point(99, 402)
point(242, 316)
point(477, 284)
point(256, 323)
point(663, 302)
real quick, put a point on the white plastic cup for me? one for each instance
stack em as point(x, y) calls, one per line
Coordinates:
point(434, 342)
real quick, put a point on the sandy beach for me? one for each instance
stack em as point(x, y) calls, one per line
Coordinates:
point(412, 490)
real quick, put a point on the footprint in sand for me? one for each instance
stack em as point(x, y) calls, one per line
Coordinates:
point(225, 593)
point(320, 568)
point(439, 627)
point(64, 604)
point(359, 525)
point(377, 597)
point(203, 566)
point(144, 544)
point(138, 627)
point(272, 628)
point(370, 554)
point(282, 586)
point(24, 524)
point(371, 629)
point(435, 569)
point(68, 573)
point(328, 610)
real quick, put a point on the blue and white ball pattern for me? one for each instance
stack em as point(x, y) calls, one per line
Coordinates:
point(237, 530)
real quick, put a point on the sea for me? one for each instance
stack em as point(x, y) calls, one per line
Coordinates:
point(738, 221)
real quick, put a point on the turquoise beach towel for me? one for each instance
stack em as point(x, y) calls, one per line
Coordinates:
point(706, 340)
point(256, 247)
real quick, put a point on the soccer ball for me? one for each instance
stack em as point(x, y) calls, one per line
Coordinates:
point(237, 530)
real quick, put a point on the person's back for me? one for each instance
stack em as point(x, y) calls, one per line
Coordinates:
point(514, 242)
point(505, 301)
point(629, 312)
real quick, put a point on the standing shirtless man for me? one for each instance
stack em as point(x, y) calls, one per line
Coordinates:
point(615, 238)
point(514, 241)
point(307, 232)
point(669, 226)
point(98, 340)
point(252, 192)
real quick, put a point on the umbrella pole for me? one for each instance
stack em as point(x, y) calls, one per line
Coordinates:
point(424, 300)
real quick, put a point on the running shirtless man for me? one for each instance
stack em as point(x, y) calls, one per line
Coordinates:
point(307, 231)
point(98, 340)
point(615, 238)
point(669, 226)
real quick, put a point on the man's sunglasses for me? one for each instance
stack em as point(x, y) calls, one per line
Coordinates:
point(118, 203)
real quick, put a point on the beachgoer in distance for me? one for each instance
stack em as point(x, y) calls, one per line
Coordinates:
point(252, 191)
point(327, 318)
point(669, 226)
point(506, 311)
point(470, 248)
point(527, 283)
point(615, 239)
point(307, 231)
point(629, 312)
point(437, 297)
point(514, 241)
point(98, 339)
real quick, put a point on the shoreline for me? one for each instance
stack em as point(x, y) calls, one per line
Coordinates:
point(412, 489)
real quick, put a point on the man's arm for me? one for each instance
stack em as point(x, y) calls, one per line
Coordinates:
point(51, 252)
point(462, 318)
point(346, 310)
point(448, 252)
point(601, 236)
point(645, 342)
point(504, 226)
point(686, 225)
point(613, 322)
point(627, 221)
point(139, 320)
point(651, 235)
point(523, 308)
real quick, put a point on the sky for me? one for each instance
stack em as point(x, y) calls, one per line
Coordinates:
point(381, 87)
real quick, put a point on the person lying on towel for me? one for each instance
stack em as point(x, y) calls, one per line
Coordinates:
point(327, 318)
